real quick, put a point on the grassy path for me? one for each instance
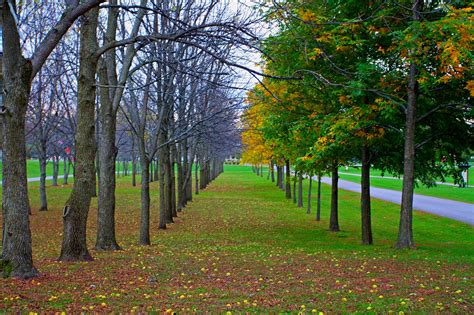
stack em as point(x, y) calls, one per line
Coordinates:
point(240, 246)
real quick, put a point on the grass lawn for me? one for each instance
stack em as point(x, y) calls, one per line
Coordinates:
point(33, 168)
point(440, 191)
point(241, 247)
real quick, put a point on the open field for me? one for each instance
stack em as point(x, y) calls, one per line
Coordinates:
point(240, 246)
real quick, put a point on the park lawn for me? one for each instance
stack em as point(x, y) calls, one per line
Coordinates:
point(33, 168)
point(241, 247)
point(376, 172)
point(440, 191)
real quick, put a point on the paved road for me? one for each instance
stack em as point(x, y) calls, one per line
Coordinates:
point(460, 211)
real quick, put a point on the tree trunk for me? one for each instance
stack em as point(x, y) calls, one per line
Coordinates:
point(334, 220)
point(365, 198)
point(202, 174)
point(280, 177)
point(288, 180)
point(196, 176)
point(44, 201)
point(151, 168)
point(180, 177)
point(145, 198)
point(134, 164)
point(93, 187)
point(65, 170)
point(107, 153)
point(294, 188)
point(272, 171)
point(405, 230)
point(156, 171)
point(188, 174)
point(163, 201)
point(55, 171)
point(308, 211)
point(173, 181)
point(168, 209)
point(318, 203)
point(76, 210)
point(300, 190)
point(17, 73)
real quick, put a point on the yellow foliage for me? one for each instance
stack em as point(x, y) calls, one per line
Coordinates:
point(256, 150)
point(307, 16)
point(315, 53)
point(470, 87)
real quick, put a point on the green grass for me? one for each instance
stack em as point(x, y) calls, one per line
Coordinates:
point(440, 191)
point(240, 246)
point(33, 168)
point(376, 172)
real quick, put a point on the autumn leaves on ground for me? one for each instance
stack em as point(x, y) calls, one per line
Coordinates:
point(240, 246)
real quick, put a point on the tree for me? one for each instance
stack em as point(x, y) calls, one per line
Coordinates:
point(18, 74)
point(76, 209)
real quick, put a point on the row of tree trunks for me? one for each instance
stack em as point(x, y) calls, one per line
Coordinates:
point(334, 215)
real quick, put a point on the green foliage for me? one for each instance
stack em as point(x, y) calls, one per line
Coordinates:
point(351, 59)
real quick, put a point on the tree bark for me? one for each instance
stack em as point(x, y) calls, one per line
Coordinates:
point(334, 220)
point(145, 198)
point(280, 177)
point(43, 199)
point(65, 170)
point(162, 223)
point(300, 190)
point(76, 210)
point(196, 176)
point(180, 177)
point(203, 173)
point(174, 211)
point(166, 165)
point(107, 154)
point(17, 72)
point(318, 203)
point(156, 171)
point(288, 180)
point(308, 211)
point(405, 230)
point(134, 169)
point(294, 188)
point(365, 198)
point(55, 170)
point(272, 171)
